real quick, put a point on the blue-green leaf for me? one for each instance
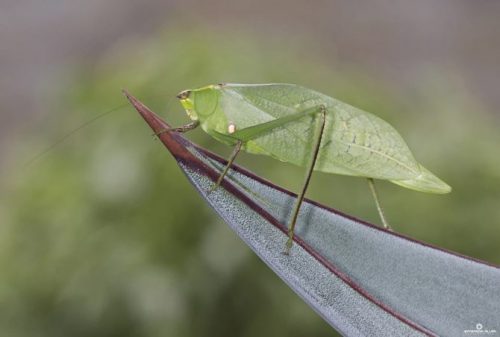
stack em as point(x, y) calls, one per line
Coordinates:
point(361, 279)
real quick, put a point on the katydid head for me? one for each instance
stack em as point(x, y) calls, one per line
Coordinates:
point(200, 103)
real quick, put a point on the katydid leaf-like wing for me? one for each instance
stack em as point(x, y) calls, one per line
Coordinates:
point(355, 142)
point(361, 279)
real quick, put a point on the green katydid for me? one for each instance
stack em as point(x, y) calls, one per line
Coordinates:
point(309, 129)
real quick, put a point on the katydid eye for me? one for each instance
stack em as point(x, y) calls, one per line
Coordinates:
point(183, 94)
point(231, 128)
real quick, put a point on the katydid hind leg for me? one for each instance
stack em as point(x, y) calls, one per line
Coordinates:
point(310, 168)
point(230, 161)
point(371, 184)
point(255, 131)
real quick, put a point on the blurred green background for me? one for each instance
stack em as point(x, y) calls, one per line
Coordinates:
point(104, 236)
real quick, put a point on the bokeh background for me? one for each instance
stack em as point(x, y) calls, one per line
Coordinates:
point(103, 236)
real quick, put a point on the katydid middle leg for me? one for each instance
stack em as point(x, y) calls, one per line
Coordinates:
point(230, 161)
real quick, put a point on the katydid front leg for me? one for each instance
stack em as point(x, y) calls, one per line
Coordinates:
point(298, 203)
point(181, 129)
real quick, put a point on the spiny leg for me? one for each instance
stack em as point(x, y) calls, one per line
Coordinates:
point(300, 198)
point(181, 129)
point(371, 183)
point(236, 150)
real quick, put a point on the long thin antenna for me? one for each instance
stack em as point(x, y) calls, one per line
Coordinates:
point(69, 134)
point(72, 132)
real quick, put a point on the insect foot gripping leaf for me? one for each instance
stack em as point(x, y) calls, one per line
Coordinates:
point(363, 280)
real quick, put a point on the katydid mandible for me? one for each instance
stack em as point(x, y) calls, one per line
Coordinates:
point(309, 129)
